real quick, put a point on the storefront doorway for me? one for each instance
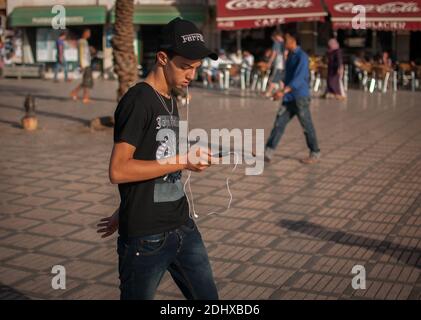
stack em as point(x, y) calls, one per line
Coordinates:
point(415, 47)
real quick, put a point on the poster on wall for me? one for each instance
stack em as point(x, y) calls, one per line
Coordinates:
point(45, 44)
point(70, 51)
point(14, 45)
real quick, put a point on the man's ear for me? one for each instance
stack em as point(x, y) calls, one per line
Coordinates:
point(162, 58)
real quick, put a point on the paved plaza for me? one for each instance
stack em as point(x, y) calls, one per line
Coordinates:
point(293, 232)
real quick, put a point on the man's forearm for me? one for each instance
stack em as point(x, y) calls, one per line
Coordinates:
point(134, 170)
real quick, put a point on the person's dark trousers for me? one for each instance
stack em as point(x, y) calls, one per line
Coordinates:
point(144, 260)
point(301, 108)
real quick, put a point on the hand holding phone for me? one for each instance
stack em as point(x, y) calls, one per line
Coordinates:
point(220, 154)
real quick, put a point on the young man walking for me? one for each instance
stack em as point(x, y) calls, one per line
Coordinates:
point(295, 101)
point(156, 233)
point(85, 66)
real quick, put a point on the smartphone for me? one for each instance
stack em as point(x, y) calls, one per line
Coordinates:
point(220, 154)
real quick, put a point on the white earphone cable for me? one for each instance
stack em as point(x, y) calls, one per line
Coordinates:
point(192, 211)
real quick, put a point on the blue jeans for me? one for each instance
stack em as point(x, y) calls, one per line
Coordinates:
point(144, 260)
point(301, 108)
point(58, 67)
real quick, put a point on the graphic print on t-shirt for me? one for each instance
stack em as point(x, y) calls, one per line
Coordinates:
point(168, 187)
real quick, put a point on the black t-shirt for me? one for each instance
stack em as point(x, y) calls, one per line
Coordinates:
point(155, 205)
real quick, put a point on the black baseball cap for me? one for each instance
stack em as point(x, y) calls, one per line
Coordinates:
point(183, 38)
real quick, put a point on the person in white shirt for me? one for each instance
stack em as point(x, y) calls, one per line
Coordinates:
point(248, 60)
point(277, 61)
point(236, 57)
point(85, 66)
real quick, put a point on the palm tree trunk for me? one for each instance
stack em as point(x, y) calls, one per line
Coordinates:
point(125, 64)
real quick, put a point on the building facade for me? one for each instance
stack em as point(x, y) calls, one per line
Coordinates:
point(33, 21)
point(30, 22)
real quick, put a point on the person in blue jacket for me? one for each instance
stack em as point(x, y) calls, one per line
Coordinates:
point(295, 101)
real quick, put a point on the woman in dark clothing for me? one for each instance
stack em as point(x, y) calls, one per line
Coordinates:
point(335, 70)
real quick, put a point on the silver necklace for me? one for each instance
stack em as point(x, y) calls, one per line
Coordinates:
point(164, 104)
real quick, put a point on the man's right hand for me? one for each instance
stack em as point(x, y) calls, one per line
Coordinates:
point(198, 159)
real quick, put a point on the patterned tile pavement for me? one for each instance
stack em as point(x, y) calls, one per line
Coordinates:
point(294, 232)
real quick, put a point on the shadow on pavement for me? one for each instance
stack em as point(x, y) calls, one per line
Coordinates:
point(393, 250)
point(61, 98)
point(49, 114)
point(14, 124)
point(21, 91)
point(17, 89)
point(8, 293)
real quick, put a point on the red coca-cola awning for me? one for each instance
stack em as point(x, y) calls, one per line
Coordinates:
point(247, 14)
point(379, 14)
